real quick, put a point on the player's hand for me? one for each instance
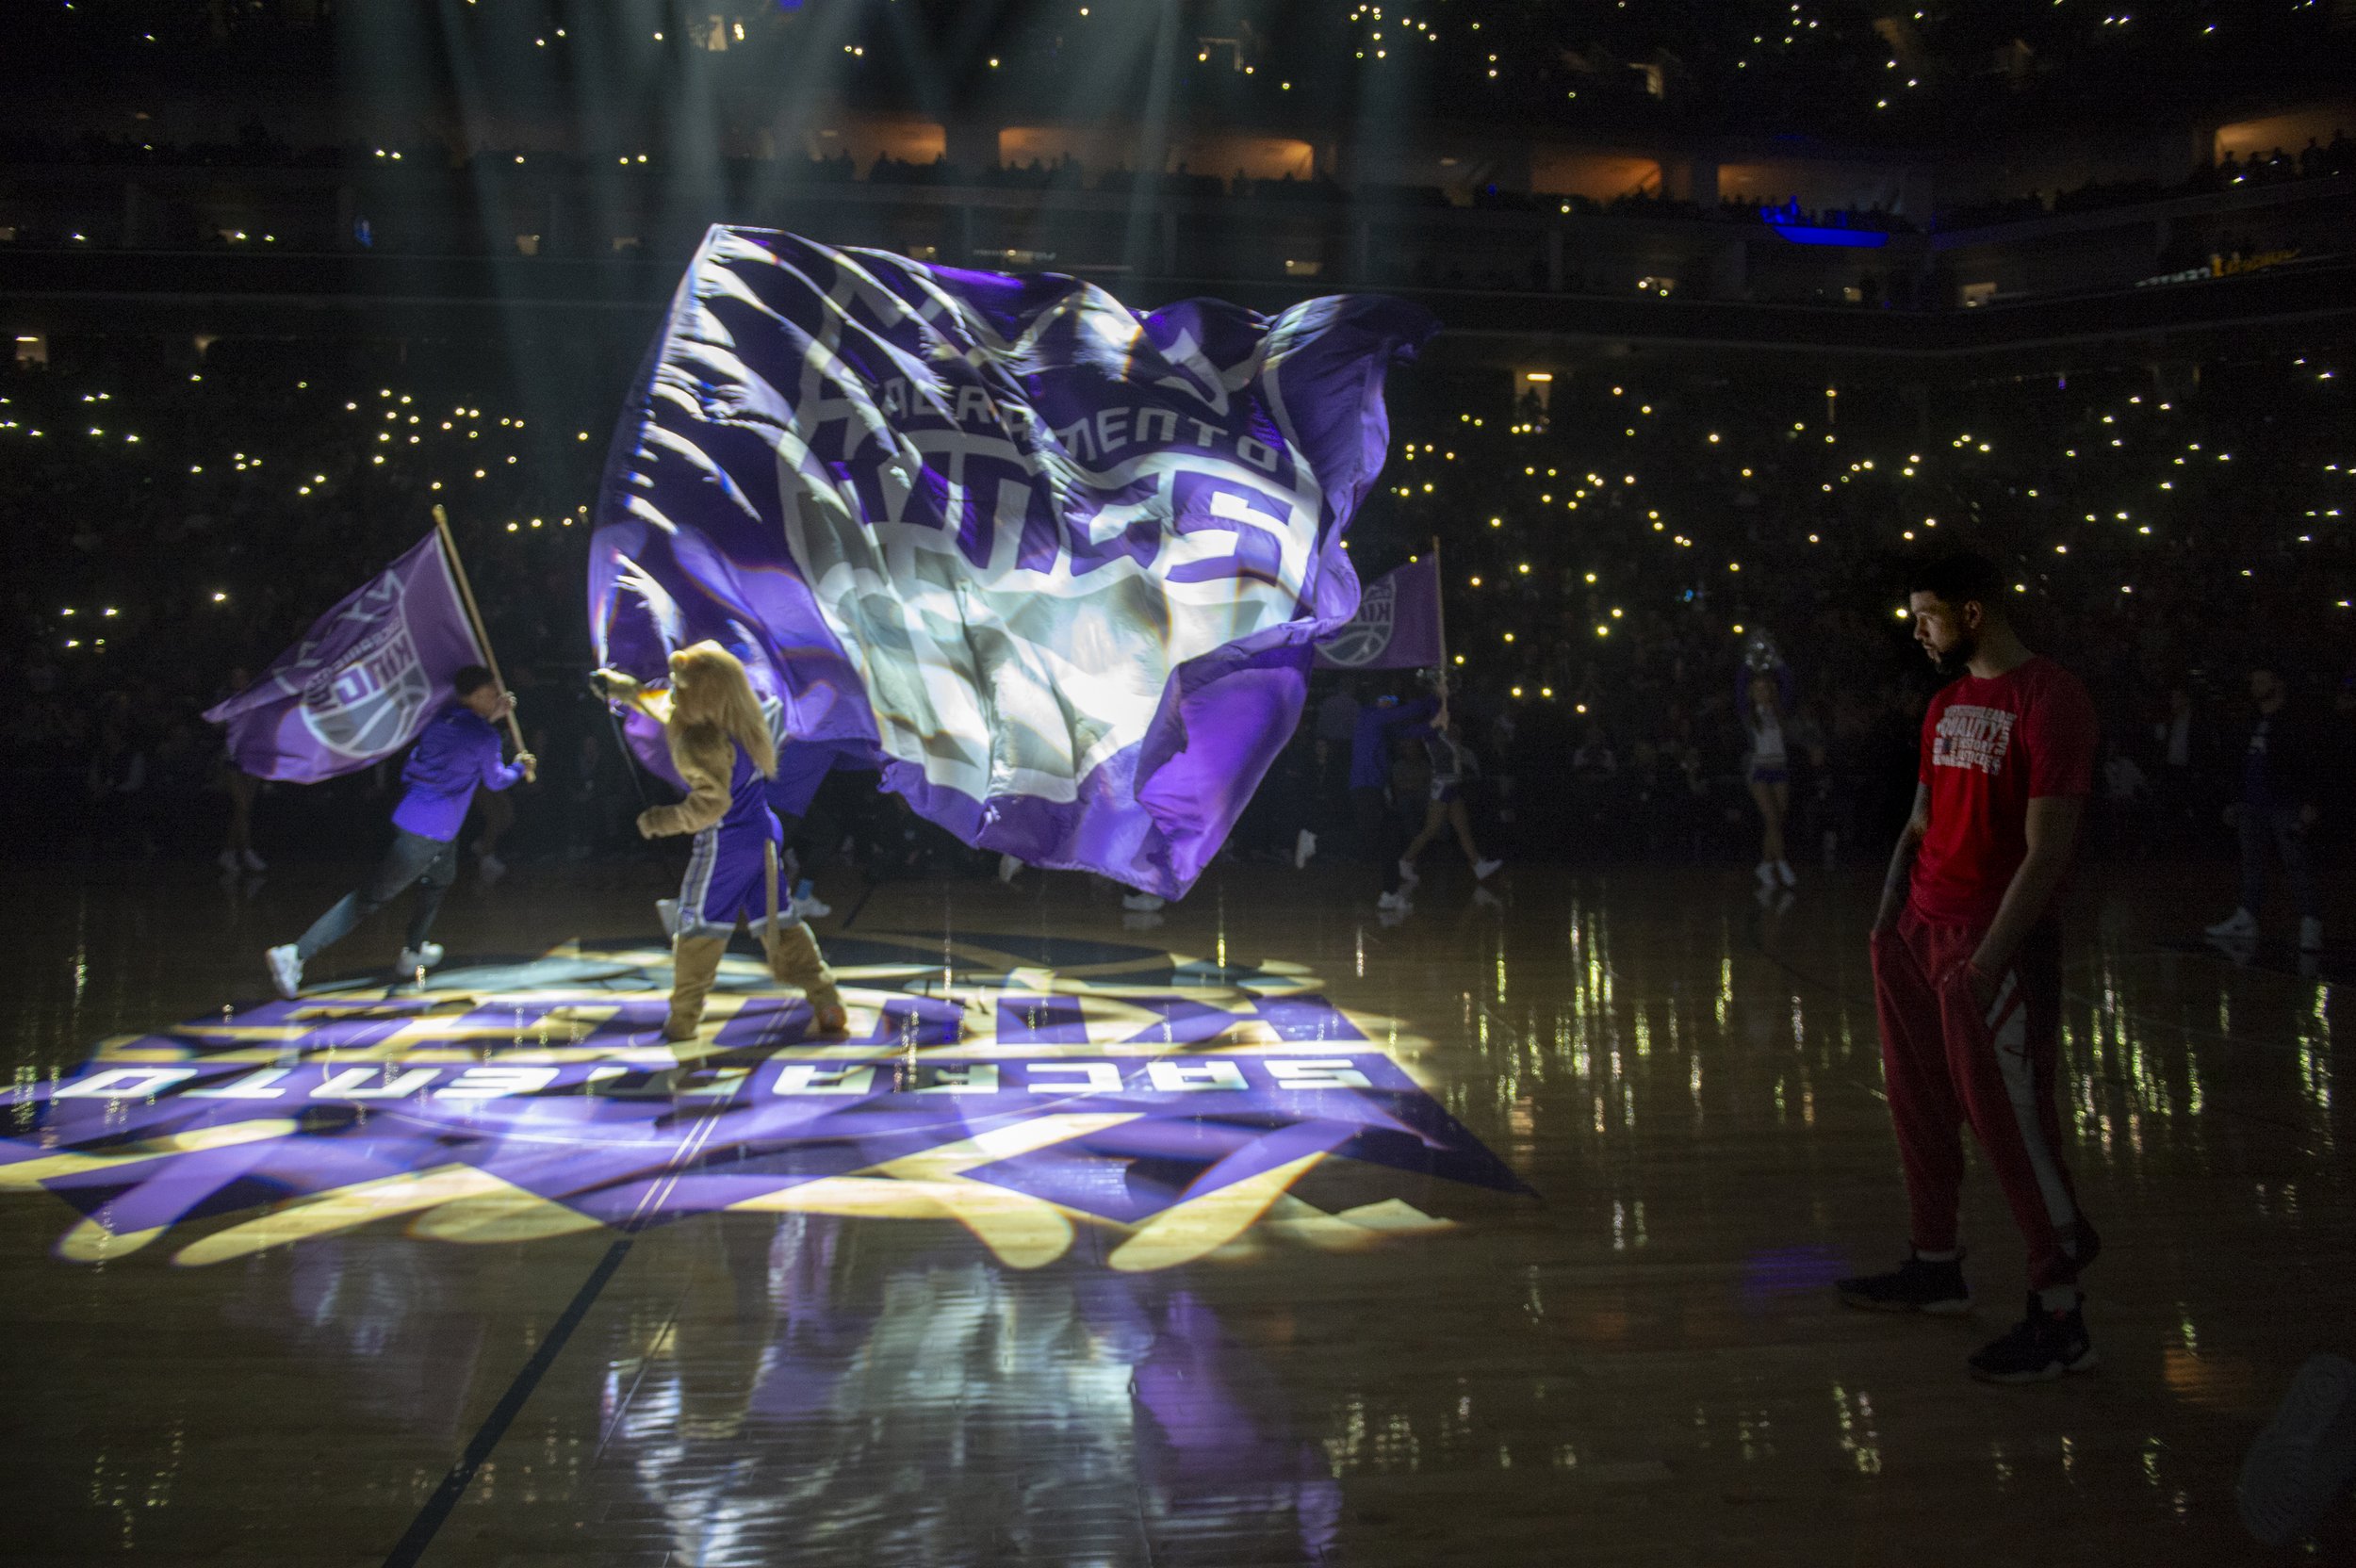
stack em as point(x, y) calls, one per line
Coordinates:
point(646, 825)
point(1979, 982)
point(530, 765)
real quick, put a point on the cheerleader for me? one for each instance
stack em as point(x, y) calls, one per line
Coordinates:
point(726, 755)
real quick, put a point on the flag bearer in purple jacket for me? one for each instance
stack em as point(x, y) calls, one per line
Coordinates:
point(459, 749)
point(726, 755)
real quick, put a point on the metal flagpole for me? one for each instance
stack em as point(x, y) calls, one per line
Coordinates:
point(1439, 611)
point(474, 615)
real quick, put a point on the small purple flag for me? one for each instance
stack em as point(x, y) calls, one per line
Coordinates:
point(1055, 564)
point(1397, 626)
point(363, 679)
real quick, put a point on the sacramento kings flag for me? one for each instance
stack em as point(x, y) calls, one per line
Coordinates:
point(1059, 564)
point(362, 682)
point(1396, 626)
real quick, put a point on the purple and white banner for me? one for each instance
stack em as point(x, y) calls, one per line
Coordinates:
point(363, 679)
point(1058, 564)
point(1396, 626)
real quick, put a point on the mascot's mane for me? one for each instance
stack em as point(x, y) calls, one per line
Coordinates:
point(709, 691)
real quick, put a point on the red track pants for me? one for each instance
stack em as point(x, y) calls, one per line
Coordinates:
point(1947, 1062)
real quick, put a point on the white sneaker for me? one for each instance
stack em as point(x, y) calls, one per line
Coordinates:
point(1303, 847)
point(1407, 872)
point(1008, 868)
point(2310, 935)
point(492, 868)
point(2241, 923)
point(253, 861)
point(1396, 901)
point(1765, 871)
point(812, 907)
point(286, 970)
point(415, 958)
point(667, 910)
point(1143, 904)
point(1483, 869)
point(2299, 1468)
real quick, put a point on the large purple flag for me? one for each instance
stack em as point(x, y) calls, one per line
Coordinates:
point(1396, 626)
point(1060, 564)
point(363, 679)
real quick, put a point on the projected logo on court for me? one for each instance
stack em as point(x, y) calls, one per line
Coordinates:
point(1033, 1091)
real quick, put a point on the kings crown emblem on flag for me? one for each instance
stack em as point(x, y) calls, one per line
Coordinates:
point(375, 701)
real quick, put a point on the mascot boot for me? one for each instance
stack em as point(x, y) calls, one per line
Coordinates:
point(694, 967)
point(794, 961)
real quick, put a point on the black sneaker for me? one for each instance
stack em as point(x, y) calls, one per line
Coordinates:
point(1914, 1285)
point(2042, 1344)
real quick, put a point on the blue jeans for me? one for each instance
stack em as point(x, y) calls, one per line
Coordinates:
point(430, 865)
point(2278, 826)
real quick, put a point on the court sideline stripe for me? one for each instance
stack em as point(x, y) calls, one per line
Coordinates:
point(411, 1547)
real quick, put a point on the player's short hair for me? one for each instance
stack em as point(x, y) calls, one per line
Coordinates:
point(1960, 579)
point(471, 680)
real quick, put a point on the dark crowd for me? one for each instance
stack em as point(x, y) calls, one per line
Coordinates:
point(1616, 554)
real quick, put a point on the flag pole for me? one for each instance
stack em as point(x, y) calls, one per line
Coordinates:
point(1439, 611)
point(474, 615)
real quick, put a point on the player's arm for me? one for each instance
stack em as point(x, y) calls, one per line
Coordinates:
point(2052, 835)
point(1901, 860)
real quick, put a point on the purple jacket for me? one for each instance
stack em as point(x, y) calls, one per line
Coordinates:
point(1369, 756)
point(458, 750)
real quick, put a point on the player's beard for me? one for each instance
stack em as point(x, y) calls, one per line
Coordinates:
point(1955, 660)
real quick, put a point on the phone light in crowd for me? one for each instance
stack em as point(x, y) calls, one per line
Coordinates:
point(220, 599)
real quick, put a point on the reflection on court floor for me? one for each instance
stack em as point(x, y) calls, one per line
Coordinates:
point(1020, 1087)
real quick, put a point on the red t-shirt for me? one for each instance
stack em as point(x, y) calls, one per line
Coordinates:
point(1987, 747)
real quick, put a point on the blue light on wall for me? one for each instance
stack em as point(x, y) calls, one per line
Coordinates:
point(1798, 232)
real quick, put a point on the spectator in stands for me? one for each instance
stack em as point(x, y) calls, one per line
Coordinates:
point(2277, 809)
point(1767, 769)
point(2182, 756)
point(1337, 723)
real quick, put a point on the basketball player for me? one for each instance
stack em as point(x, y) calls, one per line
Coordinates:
point(1966, 966)
point(458, 750)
